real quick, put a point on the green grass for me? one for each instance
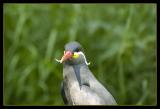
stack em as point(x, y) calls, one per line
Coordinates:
point(118, 39)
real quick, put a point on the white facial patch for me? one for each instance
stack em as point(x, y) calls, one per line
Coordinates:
point(87, 63)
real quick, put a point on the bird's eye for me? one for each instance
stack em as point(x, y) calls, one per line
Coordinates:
point(77, 50)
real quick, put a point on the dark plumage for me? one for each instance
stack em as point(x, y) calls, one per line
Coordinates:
point(79, 86)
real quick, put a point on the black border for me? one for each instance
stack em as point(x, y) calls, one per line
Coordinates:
point(80, 1)
point(1, 74)
point(158, 76)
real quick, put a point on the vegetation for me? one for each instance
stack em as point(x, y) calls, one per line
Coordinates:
point(118, 39)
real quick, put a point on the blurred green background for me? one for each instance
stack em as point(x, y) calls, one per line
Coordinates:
point(118, 39)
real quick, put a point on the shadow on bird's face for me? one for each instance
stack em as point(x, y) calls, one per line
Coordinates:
point(73, 54)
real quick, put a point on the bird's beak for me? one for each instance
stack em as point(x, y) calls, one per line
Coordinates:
point(66, 56)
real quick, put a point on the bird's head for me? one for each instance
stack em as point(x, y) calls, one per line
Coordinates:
point(73, 54)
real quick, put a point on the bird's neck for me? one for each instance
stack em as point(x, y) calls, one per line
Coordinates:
point(78, 73)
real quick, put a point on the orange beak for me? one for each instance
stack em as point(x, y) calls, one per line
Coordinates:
point(67, 55)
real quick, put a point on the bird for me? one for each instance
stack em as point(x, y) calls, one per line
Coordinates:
point(79, 85)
